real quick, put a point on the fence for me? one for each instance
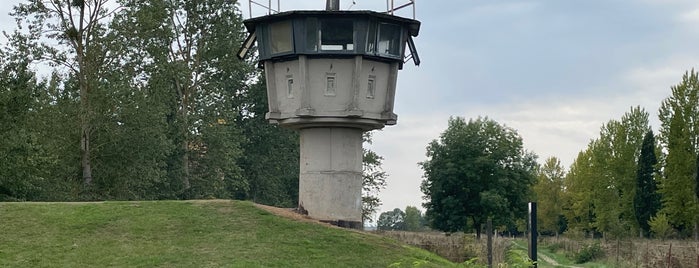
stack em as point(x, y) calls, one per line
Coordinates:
point(637, 252)
point(457, 247)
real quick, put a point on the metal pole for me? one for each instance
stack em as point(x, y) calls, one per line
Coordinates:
point(332, 5)
point(532, 232)
point(413, 8)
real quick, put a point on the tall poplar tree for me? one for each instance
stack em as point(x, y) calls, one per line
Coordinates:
point(679, 136)
point(549, 196)
point(646, 202)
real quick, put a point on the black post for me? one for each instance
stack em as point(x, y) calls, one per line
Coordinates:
point(532, 232)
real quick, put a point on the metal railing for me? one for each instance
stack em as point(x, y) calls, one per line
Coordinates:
point(391, 6)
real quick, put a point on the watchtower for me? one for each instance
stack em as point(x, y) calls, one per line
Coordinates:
point(331, 75)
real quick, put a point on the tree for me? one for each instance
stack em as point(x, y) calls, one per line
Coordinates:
point(374, 180)
point(646, 201)
point(19, 149)
point(76, 31)
point(413, 219)
point(679, 136)
point(391, 220)
point(184, 53)
point(578, 197)
point(477, 169)
point(270, 159)
point(549, 196)
point(602, 180)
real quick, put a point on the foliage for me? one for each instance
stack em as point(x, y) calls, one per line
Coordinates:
point(413, 219)
point(589, 253)
point(477, 169)
point(646, 201)
point(373, 180)
point(549, 195)
point(517, 257)
point(185, 234)
point(391, 220)
point(601, 182)
point(660, 226)
point(679, 135)
point(73, 38)
point(270, 159)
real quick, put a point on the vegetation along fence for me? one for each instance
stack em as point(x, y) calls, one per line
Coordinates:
point(636, 252)
point(457, 247)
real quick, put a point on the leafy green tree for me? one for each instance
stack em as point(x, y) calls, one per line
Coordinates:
point(270, 159)
point(391, 220)
point(647, 200)
point(660, 226)
point(184, 52)
point(615, 160)
point(19, 148)
point(679, 136)
point(578, 197)
point(374, 180)
point(601, 183)
point(477, 169)
point(413, 219)
point(70, 34)
point(549, 196)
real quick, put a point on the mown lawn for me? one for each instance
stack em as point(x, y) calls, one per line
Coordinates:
point(186, 234)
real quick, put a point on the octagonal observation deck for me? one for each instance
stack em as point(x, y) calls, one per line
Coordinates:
point(332, 68)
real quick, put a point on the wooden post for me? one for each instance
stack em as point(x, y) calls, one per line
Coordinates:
point(489, 230)
point(669, 257)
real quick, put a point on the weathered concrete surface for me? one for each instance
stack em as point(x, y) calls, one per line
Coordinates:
point(330, 179)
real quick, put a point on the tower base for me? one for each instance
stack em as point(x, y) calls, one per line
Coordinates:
point(330, 178)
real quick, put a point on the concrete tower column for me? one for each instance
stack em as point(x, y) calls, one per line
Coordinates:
point(330, 179)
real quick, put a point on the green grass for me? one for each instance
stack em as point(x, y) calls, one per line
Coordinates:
point(559, 256)
point(186, 234)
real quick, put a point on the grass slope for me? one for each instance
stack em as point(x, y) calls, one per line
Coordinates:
point(185, 234)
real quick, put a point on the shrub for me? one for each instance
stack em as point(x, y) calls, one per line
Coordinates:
point(589, 253)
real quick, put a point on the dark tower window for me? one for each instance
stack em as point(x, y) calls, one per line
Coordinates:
point(337, 35)
point(389, 39)
point(282, 37)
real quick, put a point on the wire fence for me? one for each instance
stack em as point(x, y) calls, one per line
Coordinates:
point(636, 252)
point(457, 247)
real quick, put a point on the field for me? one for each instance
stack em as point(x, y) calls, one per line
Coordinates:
point(186, 234)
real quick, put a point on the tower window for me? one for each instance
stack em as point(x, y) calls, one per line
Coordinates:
point(337, 35)
point(282, 37)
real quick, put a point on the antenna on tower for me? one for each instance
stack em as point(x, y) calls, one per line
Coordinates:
point(268, 7)
point(332, 5)
point(392, 8)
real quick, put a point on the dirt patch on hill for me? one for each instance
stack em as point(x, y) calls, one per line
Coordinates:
point(290, 213)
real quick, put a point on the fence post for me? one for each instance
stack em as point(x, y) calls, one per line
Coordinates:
point(489, 229)
point(669, 257)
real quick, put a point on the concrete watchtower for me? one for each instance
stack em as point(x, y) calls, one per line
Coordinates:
point(331, 75)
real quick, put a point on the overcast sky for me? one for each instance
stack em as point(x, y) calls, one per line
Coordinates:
point(553, 70)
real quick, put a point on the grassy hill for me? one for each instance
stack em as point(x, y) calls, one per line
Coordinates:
point(186, 234)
